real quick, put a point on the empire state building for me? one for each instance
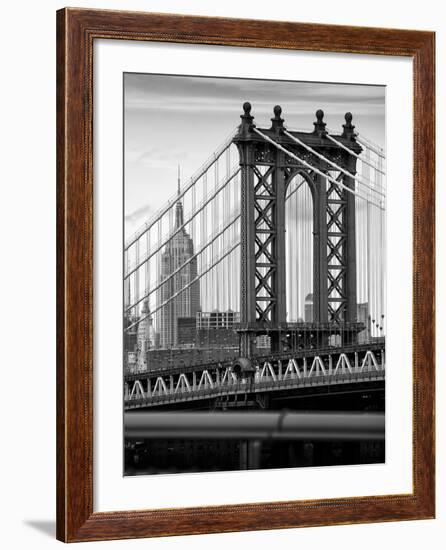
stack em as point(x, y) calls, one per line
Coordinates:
point(178, 302)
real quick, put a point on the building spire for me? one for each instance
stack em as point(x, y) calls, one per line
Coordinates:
point(179, 220)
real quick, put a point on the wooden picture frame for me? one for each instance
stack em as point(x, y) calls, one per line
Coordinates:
point(76, 31)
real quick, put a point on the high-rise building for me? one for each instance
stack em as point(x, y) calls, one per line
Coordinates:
point(216, 329)
point(178, 302)
point(364, 317)
point(217, 319)
point(309, 308)
point(145, 336)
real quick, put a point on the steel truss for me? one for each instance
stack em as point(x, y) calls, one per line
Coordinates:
point(270, 158)
point(147, 389)
point(336, 253)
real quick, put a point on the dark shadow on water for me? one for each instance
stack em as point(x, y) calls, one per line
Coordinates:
point(45, 526)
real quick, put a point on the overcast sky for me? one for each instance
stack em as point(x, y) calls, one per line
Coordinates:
point(171, 120)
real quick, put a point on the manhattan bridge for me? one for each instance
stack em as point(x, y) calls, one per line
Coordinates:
point(262, 281)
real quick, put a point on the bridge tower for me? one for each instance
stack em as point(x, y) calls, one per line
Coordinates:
point(266, 172)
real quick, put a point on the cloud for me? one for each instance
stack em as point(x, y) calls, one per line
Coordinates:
point(171, 120)
point(157, 157)
point(174, 94)
point(201, 105)
point(141, 212)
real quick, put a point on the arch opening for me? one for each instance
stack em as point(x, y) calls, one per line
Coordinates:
point(299, 251)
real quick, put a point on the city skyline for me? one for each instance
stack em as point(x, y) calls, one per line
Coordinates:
point(166, 117)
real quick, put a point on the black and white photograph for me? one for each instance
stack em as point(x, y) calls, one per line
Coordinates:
point(254, 274)
point(222, 261)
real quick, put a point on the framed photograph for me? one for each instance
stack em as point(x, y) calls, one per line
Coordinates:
point(245, 275)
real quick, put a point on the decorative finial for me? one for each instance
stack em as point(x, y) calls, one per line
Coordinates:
point(277, 121)
point(179, 180)
point(247, 118)
point(349, 129)
point(319, 125)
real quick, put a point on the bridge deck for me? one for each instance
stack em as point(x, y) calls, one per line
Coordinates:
point(360, 365)
point(243, 388)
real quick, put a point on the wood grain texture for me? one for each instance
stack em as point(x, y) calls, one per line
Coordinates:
point(76, 31)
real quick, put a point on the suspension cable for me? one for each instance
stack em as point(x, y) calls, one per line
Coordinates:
point(371, 164)
point(183, 265)
point(193, 180)
point(369, 145)
point(316, 170)
point(185, 287)
point(168, 239)
point(198, 253)
point(295, 190)
point(131, 270)
point(336, 166)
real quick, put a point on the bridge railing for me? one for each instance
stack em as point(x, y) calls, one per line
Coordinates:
point(255, 425)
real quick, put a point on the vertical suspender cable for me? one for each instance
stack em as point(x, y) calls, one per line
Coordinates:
point(205, 230)
point(384, 260)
